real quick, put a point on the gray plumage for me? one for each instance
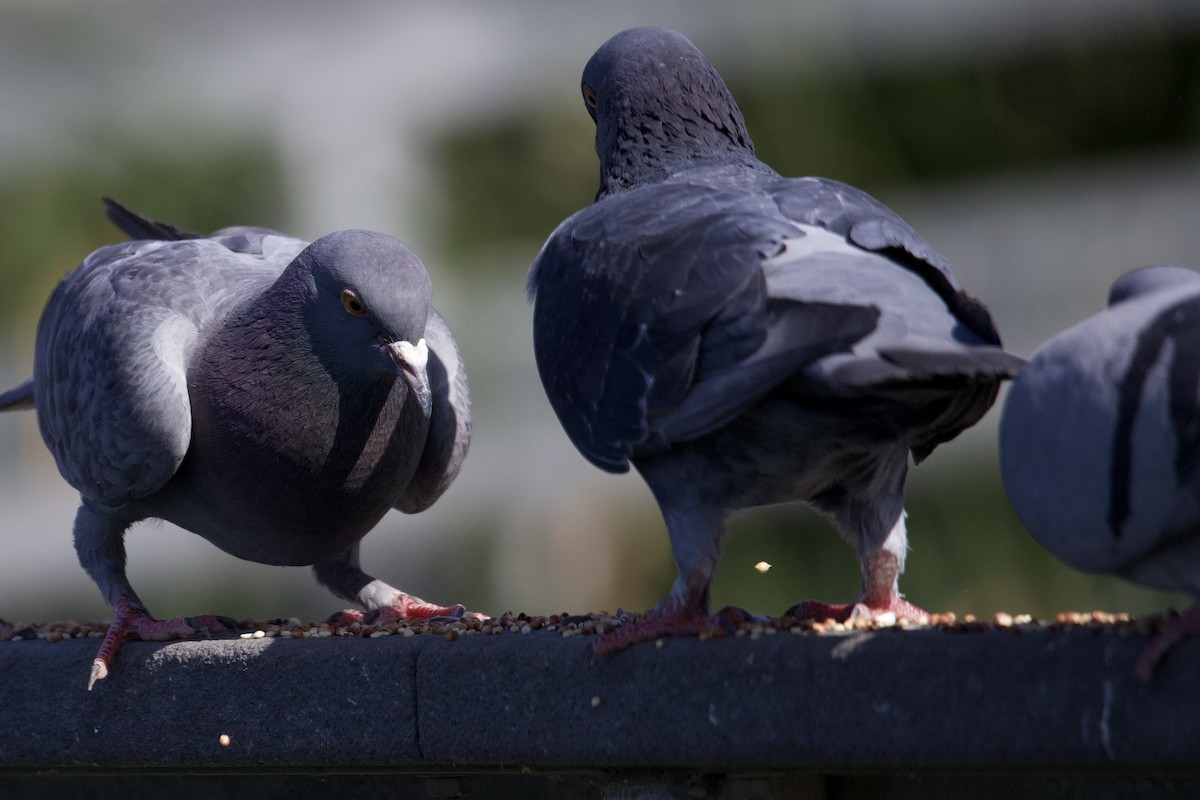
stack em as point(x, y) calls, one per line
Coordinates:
point(1100, 443)
point(743, 338)
point(274, 396)
point(1100, 436)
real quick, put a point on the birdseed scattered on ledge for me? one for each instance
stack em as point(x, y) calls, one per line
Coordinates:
point(571, 625)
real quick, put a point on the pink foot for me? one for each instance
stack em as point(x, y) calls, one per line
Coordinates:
point(868, 609)
point(1176, 628)
point(132, 622)
point(672, 619)
point(408, 607)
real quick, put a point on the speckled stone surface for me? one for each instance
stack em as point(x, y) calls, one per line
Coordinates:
point(868, 700)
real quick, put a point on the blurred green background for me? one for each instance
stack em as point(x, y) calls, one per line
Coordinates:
point(1044, 147)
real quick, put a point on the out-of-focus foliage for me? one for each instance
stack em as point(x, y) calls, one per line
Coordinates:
point(517, 177)
point(53, 215)
point(505, 180)
point(980, 116)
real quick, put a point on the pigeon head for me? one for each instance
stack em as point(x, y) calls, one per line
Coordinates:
point(1150, 279)
point(659, 106)
point(367, 306)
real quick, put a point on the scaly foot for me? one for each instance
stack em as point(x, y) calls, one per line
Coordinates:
point(1175, 629)
point(132, 622)
point(407, 607)
point(843, 612)
point(670, 619)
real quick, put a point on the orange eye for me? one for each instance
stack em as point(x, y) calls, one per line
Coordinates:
point(589, 96)
point(352, 304)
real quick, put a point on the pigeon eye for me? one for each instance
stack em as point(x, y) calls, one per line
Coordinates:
point(352, 304)
point(589, 96)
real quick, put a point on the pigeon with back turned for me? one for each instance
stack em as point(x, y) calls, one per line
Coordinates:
point(743, 338)
point(273, 396)
point(1100, 442)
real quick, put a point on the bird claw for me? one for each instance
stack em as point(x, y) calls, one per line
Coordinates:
point(816, 611)
point(99, 672)
point(406, 608)
point(1176, 627)
point(130, 621)
point(730, 618)
point(419, 609)
point(669, 619)
point(413, 608)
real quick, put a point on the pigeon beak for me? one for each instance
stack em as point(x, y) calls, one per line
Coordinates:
point(411, 362)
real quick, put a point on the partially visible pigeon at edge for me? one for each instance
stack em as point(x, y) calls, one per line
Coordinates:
point(1100, 442)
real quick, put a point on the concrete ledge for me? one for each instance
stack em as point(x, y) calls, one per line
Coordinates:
point(910, 701)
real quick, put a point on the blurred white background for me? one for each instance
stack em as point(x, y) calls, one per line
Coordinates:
point(1011, 135)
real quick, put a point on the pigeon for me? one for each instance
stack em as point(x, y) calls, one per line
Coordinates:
point(273, 396)
point(743, 338)
point(1100, 442)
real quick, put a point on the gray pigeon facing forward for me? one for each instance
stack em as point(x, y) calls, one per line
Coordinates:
point(1100, 442)
point(743, 338)
point(274, 396)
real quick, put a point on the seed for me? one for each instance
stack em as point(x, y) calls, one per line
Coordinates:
point(596, 701)
point(223, 739)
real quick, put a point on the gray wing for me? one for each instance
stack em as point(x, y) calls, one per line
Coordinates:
point(449, 423)
point(934, 359)
point(873, 227)
point(112, 353)
point(653, 323)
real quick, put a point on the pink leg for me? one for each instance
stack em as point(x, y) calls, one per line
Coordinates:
point(696, 535)
point(343, 576)
point(878, 596)
point(131, 621)
point(1176, 628)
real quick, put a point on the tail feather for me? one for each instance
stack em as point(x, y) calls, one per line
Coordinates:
point(18, 398)
point(914, 369)
point(136, 226)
